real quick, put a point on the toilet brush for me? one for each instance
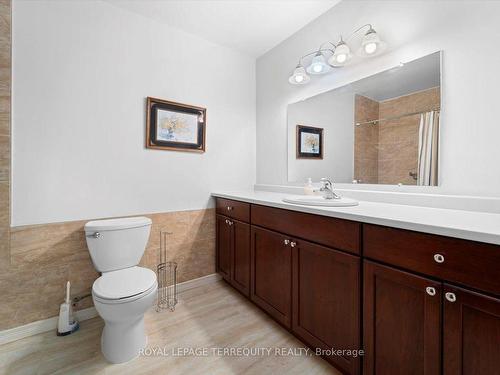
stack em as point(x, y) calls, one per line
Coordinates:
point(66, 324)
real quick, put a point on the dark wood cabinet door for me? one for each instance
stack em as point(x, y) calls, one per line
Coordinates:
point(271, 274)
point(471, 344)
point(240, 261)
point(224, 247)
point(326, 301)
point(402, 322)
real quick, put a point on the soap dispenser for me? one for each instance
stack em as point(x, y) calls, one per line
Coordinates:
point(308, 187)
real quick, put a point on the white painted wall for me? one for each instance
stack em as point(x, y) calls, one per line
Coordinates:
point(81, 73)
point(334, 112)
point(466, 31)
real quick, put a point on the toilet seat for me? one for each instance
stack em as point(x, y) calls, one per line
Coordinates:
point(124, 285)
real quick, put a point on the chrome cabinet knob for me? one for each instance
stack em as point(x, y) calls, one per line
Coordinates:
point(431, 290)
point(230, 222)
point(293, 244)
point(450, 296)
point(227, 221)
point(286, 242)
point(439, 258)
point(229, 208)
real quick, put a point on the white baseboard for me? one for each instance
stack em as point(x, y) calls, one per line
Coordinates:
point(200, 281)
point(50, 324)
point(41, 326)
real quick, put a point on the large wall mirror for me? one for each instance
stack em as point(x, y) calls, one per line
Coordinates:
point(383, 129)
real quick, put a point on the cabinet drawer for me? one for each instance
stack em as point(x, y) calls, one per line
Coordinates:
point(470, 263)
point(234, 209)
point(331, 232)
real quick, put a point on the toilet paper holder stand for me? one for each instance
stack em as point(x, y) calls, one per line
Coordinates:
point(167, 277)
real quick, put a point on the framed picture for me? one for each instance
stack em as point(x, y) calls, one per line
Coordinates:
point(175, 126)
point(309, 142)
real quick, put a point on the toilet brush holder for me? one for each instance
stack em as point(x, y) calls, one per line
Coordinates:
point(167, 277)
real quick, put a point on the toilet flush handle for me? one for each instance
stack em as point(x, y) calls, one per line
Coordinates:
point(96, 235)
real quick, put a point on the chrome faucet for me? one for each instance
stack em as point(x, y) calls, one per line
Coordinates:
point(327, 189)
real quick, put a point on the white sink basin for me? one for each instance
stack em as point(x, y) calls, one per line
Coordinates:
point(315, 200)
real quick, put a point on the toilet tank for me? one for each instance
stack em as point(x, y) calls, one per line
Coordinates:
point(117, 243)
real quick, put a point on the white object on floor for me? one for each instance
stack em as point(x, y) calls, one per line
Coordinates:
point(309, 200)
point(125, 291)
point(66, 323)
point(45, 325)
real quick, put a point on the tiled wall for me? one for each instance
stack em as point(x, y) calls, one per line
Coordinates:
point(5, 84)
point(44, 257)
point(387, 152)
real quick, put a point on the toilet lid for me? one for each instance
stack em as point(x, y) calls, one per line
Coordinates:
point(124, 283)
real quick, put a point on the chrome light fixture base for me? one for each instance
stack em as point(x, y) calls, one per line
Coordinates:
point(336, 55)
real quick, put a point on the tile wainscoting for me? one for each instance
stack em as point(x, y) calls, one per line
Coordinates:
point(5, 85)
point(43, 257)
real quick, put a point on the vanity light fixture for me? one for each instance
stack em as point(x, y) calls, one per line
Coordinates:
point(299, 76)
point(336, 55)
point(318, 64)
point(371, 44)
point(341, 55)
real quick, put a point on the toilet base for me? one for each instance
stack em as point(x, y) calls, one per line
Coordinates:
point(122, 342)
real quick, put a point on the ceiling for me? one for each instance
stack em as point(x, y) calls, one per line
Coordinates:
point(253, 27)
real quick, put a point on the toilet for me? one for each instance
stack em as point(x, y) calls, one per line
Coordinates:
point(125, 291)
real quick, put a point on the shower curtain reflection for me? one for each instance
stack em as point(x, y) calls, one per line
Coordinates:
point(428, 142)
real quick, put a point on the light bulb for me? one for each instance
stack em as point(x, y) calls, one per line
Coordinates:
point(341, 58)
point(341, 54)
point(371, 44)
point(317, 68)
point(370, 48)
point(318, 65)
point(299, 76)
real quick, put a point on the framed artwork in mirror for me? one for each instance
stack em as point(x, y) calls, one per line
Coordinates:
point(309, 142)
point(175, 126)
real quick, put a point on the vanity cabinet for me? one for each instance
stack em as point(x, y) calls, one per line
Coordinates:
point(328, 231)
point(326, 300)
point(401, 322)
point(271, 270)
point(469, 263)
point(416, 303)
point(223, 236)
point(233, 252)
point(471, 341)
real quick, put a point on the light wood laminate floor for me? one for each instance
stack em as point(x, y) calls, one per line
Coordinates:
point(212, 316)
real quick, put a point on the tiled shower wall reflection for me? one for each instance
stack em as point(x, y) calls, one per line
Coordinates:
point(387, 153)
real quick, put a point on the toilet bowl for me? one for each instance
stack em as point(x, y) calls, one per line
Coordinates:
point(121, 298)
point(124, 291)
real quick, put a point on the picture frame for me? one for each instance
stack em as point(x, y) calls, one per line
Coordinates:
point(309, 143)
point(175, 126)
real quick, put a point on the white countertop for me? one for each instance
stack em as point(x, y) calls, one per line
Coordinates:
point(469, 225)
